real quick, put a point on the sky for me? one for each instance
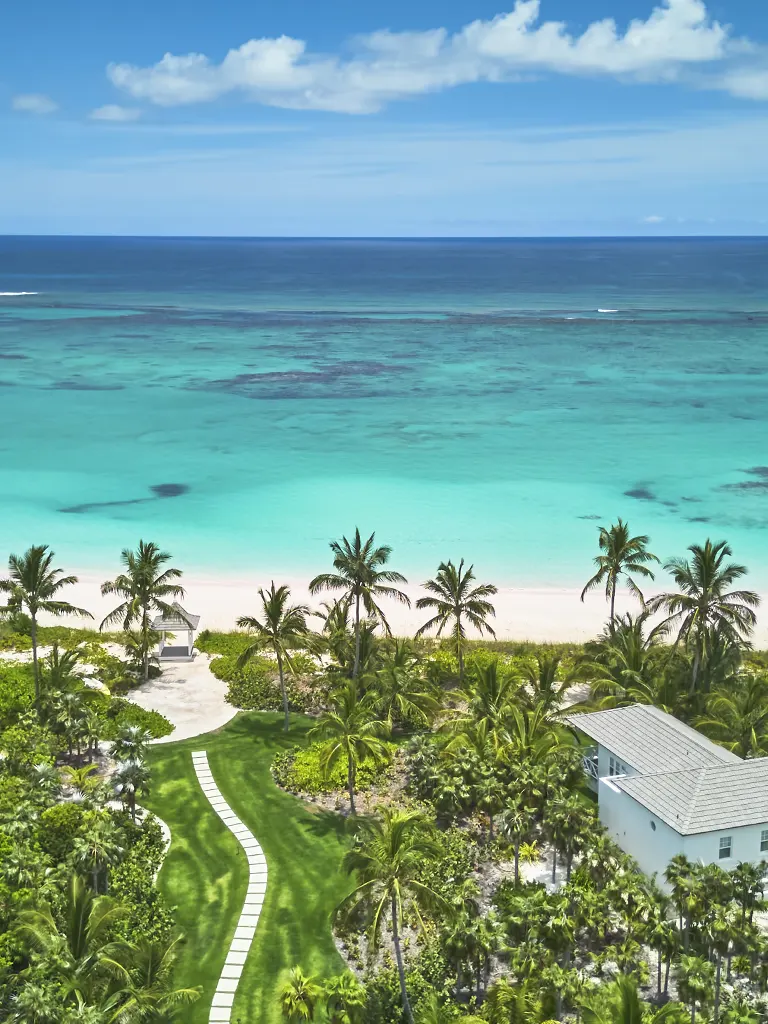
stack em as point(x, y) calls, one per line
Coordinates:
point(457, 118)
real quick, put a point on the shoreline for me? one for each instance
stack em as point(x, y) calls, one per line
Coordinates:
point(536, 614)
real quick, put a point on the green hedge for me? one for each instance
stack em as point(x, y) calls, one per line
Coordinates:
point(299, 770)
point(257, 687)
point(121, 713)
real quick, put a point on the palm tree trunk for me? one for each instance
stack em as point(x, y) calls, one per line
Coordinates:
point(283, 691)
point(658, 974)
point(554, 864)
point(400, 969)
point(718, 973)
point(356, 665)
point(490, 828)
point(517, 860)
point(351, 783)
point(667, 969)
point(459, 648)
point(145, 643)
point(36, 671)
point(613, 604)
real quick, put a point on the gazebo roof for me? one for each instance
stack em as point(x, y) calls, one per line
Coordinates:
point(177, 619)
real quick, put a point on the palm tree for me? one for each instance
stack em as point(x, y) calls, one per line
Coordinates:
point(83, 938)
point(456, 599)
point(97, 849)
point(33, 584)
point(129, 781)
point(145, 973)
point(300, 996)
point(351, 730)
point(620, 555)
point(282, 629)
point(543, 687)
point(695, 982)
point(400, 693)
point(737, 716)
point(361, 579)
point(704, 605)
point(491, 694)
point(345, 999)
point(621, 1004)
point(387, 861)
point(131, 743)
point(145, 587)
point(516, 824)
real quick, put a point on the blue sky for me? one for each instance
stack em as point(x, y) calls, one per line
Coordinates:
point(420, 118)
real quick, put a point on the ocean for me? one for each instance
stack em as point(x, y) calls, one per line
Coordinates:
point(242, 402)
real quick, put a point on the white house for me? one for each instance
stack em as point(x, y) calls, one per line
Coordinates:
point(664, 789)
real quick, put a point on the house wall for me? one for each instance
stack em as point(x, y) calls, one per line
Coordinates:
point(604, 756)
point(632, 827)
point(705, 847)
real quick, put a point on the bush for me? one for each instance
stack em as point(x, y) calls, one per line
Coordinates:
point(17, 692)
point(256, 687)
point(299, 770)
point(230, 644)
point(121, 713)
point(28, 745)
point(132, 883)
point(58, 828)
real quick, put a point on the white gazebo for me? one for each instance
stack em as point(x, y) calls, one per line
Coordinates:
point(176, 621)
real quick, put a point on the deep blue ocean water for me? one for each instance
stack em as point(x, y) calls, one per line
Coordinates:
point(243, 401)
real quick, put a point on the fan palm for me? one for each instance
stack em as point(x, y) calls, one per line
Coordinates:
point(33, 584)
point(491, 696)
point(97, 849)
point(737, 716)
point(345, 999)
point(455, 600)
point(282, 628)
point(130, 781)
point(401, 694)
point(145, 587)
point(131, 743)
point(350, 730)
point(704, 605)
point(620, 556)
point(387, 860)
point(361, 578)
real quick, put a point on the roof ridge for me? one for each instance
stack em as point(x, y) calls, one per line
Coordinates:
point(692, 801)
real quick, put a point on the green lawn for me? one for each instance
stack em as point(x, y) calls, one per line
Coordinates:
point(205, 873)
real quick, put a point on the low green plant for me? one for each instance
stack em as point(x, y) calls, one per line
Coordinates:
point(121, 713)
point(255, 687)
point(231, 644)
point(299, 771)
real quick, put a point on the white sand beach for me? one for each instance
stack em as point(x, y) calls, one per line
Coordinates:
point(547, 614)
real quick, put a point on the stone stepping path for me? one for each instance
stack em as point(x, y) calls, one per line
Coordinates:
point(224, 997)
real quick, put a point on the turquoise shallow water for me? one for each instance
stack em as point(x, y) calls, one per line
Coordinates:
point(461, 398)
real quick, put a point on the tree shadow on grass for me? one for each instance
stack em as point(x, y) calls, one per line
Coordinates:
point(326, 823)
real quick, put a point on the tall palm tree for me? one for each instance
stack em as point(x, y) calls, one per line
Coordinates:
point(704, 604)
point(33, 584)
point(300, 996)
point(387, 861)
point(737, 716)
point(491, 697)
point(351, 730)
point(361, 578)
point(283, 628)
point(455, 600)
point(620, 556)
point(145, 587)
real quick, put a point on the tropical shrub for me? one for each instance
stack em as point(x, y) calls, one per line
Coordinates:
point(58, 829)
point(299, 771)
point(256, 687)
point(17, 692)
point(231, 644)
point(121, 713)
point(27, 745)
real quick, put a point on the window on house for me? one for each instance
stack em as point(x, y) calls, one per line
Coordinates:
point(764, 840)
point(615, 767)
point(726, 843)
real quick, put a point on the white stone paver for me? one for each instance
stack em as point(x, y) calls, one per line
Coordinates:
point(221, 1009)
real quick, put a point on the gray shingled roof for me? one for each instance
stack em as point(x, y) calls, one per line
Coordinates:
point(704, 799)
point(651, 741)
point(180, 619)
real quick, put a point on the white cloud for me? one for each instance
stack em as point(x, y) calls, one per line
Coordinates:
point(113, 112)
point(749, 83)
point(654, 218)
point(34, 103)
point(394, 65)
